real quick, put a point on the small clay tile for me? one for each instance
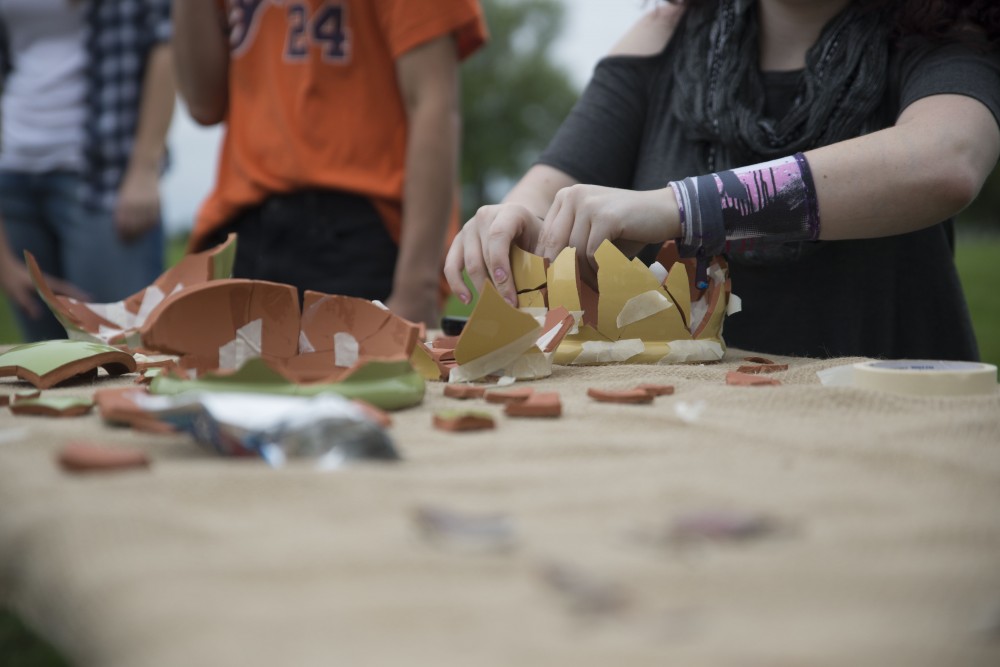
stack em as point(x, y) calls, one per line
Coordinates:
point(620, 395)
point(657, 389)
point(86, 457)
point(463, 420)
point(541, 404)
point(25, 395)
point(509, 395)
point(54, 406)
point(758, 360)
point(738, 379)
point(762, 368)
point(445, 342)
point(464, 391)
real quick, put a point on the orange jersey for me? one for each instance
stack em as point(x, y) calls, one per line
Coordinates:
point(314, 100)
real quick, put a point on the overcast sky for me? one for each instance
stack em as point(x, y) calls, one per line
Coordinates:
point(592, 26)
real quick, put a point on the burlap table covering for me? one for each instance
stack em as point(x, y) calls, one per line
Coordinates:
point(889, 552)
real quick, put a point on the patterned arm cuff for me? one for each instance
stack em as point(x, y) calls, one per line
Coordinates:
point(772, 201)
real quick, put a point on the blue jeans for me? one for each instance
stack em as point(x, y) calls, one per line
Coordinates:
point(46, 215)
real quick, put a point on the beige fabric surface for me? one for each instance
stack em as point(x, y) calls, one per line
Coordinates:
point(889, 552)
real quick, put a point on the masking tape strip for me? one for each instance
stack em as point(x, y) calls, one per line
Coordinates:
point(926, 378)
point(495, 360)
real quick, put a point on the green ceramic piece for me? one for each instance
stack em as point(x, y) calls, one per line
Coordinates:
point(56, 403)
point(223, 260)
point(390, 385)
point(41, 359)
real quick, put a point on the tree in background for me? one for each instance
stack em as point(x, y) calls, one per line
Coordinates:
point(513, 97)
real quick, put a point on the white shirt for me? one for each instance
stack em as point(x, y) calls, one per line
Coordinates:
point(44, 96)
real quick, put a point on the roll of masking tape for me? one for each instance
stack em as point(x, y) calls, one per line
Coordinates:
point(927, 378)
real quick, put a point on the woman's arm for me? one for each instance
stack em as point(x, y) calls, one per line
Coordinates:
point(428, 82)
point(201, 53)
point(482, 247)
point(926, 168)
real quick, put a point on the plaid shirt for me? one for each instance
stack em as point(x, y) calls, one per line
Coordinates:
point(119, 37)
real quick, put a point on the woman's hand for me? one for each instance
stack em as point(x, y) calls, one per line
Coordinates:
point(584, 216)
point(138, 207)
point(482, 248)
point(15, 281)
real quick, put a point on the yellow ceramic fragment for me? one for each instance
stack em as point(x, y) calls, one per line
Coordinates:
point(494, 324)
point(423, 364)
point(679, 289)
point(571, 346)
point(562, 283)
point(527, 270)
point(532, 299)
point(642, 306)
point(620, 280)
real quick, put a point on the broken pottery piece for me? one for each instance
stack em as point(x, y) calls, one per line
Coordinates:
point(656, 389)
point(119, 406)
point(390, 384)
point(635, 319)
point(628, 396)
point(427, 364)
point(505, 396)
point(86, 457)
point(53, 406)
point(463, 420)
point(353, 329)
point(540, 404)
point(757, 369)
point(494, 337)
point(738, 379)
point(49, 363)
point(226, 322)
point(764, 361)
point(117, 322)
point(464, 391)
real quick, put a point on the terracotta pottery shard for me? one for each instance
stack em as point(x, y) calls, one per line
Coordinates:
point(494, 325)
point(657, 389)
point(117, 405)
point(762, 368)
point(49, 363)
point(113, 322)
point(464, 391)
point(738, 379)
point(53, 406)
point(637, 396)
point(427, 364)
point(85, 457)
point(463, 420)
point(327, 319)
point(200, 320)
point(758, 360)
point(509, 395)
point(564, 282)
point(541, 404)
point(445, 342)
point(558, 323)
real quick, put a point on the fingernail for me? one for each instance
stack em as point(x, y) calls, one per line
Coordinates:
point(464, 298)
point(500, 275)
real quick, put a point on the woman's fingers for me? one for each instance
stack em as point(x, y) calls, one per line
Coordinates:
point(482, 249)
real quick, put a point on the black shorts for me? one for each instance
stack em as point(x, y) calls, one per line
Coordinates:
point(322, 240)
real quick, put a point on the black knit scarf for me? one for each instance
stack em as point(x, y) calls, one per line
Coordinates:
point(719, 92)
